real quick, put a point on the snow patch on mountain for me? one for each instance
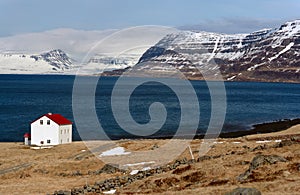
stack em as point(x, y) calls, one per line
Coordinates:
point(288, 47)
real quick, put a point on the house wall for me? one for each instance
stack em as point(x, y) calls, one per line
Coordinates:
point(44, 132)
point(65, 134)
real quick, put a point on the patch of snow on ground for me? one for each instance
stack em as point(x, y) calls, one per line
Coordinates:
point(264, 141)
point(133, 172)
point(218, 142)
point(268, 141)
point(110, 192)
point(140, 163)
point(146, 168)
point(114, 152)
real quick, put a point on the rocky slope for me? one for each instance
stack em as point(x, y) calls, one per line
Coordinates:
point(265, 55)
point(57, 58)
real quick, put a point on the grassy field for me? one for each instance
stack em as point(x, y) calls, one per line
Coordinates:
point(28, 171)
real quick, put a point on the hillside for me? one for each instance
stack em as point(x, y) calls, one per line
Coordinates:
point(265, 55)
point(267, 162)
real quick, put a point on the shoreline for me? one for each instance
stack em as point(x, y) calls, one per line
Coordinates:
point(260, 128)
point(115, 76)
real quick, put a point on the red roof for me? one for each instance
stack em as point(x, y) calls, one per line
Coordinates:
point(27, 135)
point(57, 118)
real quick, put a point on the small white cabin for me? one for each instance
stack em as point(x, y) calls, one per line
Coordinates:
point(51, 129)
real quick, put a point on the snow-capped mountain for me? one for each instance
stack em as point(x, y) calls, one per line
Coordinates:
point(92, 51)
point(55, 61)
point(57, 58)
point(275, 58)
point(265, 55)
point(58, 51)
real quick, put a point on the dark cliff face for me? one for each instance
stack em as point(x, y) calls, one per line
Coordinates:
point(266, 55)
point(57, 58)
point(151, 53)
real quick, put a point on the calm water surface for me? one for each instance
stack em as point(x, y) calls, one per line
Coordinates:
point(26, 97)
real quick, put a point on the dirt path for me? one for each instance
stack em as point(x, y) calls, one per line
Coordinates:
point(16, 168)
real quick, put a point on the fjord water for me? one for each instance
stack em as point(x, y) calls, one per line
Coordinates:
point(26, 97)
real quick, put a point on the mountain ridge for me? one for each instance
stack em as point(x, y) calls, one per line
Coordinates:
point(271, 55)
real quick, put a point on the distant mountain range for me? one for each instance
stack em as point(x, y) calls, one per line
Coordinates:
point(65, 51)
point(55, 61)
point(266, 55)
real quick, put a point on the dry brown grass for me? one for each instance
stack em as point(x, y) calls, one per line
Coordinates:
point(51, 169)
point(57, 168)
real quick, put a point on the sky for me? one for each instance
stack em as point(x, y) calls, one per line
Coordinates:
point(228, 16)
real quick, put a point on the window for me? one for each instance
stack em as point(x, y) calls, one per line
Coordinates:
point(65, 131)
point(41, 122)
point(60, 131)
point(68, 140)
point(48, 141)
point(48, 122)
point(42, 142)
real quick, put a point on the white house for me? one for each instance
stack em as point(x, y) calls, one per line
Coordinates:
point(51, 129)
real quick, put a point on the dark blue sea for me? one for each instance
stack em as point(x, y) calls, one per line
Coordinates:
point(26, 97)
